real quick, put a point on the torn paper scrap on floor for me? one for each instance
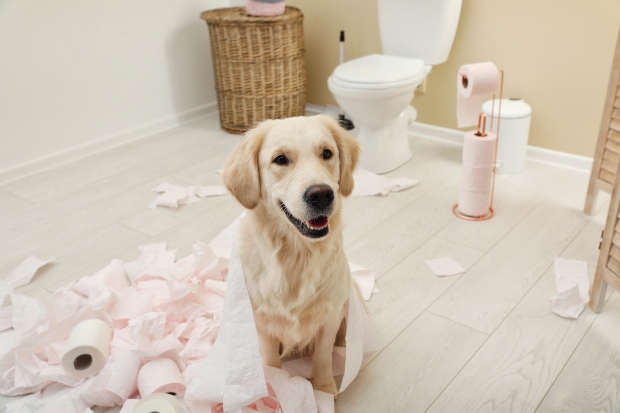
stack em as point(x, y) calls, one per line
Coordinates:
point(172, 196)
point(573, 286)
point(25, 271)
point(159, 307)
point(444, 266)
point(370, 184)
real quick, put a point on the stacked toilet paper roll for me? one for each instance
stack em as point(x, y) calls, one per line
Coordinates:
point(474, 81)
point(158, 403)
point(477, 174)
point(87, 349)
point(160, 376)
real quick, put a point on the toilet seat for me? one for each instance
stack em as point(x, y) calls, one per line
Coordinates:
point(379, 72)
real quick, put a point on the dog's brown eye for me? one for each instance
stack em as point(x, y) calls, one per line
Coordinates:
point(281, 160)
point(327, 154)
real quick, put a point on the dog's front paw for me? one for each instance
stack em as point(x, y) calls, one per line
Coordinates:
point(327, 385)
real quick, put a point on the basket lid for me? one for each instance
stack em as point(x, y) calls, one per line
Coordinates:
point(236, 15)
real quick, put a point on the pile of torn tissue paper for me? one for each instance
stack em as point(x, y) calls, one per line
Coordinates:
point(160, 307)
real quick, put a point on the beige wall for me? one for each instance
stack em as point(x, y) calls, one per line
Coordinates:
point(556, 54)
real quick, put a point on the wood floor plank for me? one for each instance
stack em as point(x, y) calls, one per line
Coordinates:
point(55, 208)
point(403, 232)
point(494, 286)
point(413, 370)
point(514, 369)
point(364, 215)
point(409, 288)
point(10, 203)
point(590, 381)
point(97, 167)
point(80, 223)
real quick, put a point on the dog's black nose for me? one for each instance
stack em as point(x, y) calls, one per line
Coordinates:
point(319, 196)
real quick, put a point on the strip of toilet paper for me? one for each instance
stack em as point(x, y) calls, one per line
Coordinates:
point(477, 174)
point(160, 376)
point(87, 349)
point(474, 81)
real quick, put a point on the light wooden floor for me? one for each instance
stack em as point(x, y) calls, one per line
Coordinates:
point(484, 341)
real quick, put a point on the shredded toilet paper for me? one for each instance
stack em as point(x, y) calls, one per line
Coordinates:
point(366, 184)
point(172, 196)
point(573, 285)
point(371, 184)
point(160, 307)
point(444, 266)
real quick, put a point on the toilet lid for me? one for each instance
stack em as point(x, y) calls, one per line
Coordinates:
point(380, 69)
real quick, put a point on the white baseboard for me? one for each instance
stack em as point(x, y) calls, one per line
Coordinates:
point(534, 153)
point(104, 143)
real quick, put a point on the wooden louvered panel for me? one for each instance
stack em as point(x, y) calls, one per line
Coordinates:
point(615, 253)
point(610, 167)
point(611, 156)
point(612, 145)
point(613, 135)
point(606, 176)
point(614, 266)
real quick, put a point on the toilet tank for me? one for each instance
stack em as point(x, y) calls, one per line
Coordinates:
point(420, 29)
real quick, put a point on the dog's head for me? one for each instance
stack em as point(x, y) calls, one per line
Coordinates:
point(298, 169)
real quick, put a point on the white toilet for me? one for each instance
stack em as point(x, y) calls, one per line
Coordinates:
point(376, 90)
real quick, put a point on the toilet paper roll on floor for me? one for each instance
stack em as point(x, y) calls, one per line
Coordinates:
point(477, 174)
point(474, 82)
point(158, 403)
point(87, 349)
point(160, 376)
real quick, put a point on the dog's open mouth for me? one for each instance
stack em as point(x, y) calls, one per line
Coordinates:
point(315, 228)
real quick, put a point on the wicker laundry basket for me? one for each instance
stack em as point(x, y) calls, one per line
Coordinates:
point(259, 66)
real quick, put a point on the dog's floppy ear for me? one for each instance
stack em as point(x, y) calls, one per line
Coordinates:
point(349, 153)
point(241, 174)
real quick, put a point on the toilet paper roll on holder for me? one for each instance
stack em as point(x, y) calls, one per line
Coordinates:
point(481, 132)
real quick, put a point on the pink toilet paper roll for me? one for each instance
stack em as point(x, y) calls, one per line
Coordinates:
point(474, 81)
point(477, 174)
point(160, 376)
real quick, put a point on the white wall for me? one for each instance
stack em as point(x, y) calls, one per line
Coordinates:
point(77, 72)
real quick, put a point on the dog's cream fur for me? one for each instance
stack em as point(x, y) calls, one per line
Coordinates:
point(298, 285)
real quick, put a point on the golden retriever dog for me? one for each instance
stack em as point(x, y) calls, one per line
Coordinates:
point(292, 175)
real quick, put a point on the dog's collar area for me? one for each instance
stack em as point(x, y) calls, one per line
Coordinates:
point(315, 228)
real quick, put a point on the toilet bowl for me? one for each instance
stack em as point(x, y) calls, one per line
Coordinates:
point(375, 91)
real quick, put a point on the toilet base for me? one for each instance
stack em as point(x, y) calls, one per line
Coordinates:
point(385, 148)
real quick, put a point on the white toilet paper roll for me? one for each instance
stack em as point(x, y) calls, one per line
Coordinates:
point(474, 81)
point(158, 403)
point(87, 349)
point(160, 376)
point(477, 174)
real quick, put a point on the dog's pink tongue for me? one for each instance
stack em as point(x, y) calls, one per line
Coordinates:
point(320, 222)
